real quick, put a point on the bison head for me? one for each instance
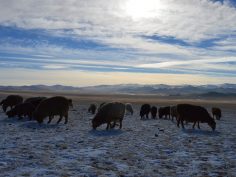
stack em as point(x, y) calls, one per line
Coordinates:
point(70, 103)
point(37, 116)
point(4, 107)
point(95, 124)
point(11, 113)
point(96, 121)
point(212, 124)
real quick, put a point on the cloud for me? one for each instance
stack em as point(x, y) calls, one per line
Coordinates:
point(171, 36)
point(188, 20)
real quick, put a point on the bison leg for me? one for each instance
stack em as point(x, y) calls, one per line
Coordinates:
point(194, 124)
point(50, 119)
point(147, 116)
point(178, 121)
point(59, 119)
point(198, 126)
point(120, 123)
point(66, 118)
point(108, 125)
point(182, 123)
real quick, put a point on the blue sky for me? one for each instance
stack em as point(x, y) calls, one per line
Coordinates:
point(94, 42)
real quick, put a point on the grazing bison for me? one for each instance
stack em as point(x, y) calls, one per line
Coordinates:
point(192, 113)
point(53, 106)
point(109, 112)
point(22, 110)
point(145, 109)
point(129, 108)
point(35, 100)
point(216, 112)
point(154, 112)
point(92, 108)
point(11, 101)
point(173, 112)
point(164, 111)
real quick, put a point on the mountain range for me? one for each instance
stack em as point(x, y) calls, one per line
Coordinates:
point(158, 89)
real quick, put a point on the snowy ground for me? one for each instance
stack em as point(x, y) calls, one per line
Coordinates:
point(141, 148)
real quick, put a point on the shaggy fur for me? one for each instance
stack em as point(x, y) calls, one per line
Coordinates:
point(92, 108)
point(164, 111)
point(192, 113)
point(53, 106)
point(154, 112)
point(173, 112)
point(216, 112)
point(11, 101)
point(129, 108)
point(109, 112)
point(35, 100)
point(22, 110)
point(144, 111)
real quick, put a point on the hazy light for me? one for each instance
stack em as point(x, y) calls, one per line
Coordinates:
point(138, 9)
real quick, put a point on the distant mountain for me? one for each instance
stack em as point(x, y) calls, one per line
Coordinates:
point(160, 89)
point(39, 88)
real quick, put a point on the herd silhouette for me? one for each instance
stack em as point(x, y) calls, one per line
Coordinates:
point(111, 113)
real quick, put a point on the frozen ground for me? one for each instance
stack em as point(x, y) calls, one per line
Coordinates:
point(141, 148)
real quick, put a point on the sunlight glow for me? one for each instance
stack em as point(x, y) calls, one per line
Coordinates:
point(138, 9)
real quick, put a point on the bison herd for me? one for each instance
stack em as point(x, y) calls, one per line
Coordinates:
point(37, 108)
point(112, 113)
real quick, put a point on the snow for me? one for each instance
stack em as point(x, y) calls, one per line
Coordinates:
point(140, 148)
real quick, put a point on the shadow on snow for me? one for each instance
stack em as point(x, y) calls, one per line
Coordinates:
point(112, 132)
point(201, 132)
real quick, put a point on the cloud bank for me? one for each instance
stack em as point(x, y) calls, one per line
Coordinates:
point(186, 37)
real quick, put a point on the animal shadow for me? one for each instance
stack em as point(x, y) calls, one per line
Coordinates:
point(112, 132)
point(36, 125)
point(201, 132)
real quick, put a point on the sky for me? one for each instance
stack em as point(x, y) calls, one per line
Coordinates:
point(93, 42)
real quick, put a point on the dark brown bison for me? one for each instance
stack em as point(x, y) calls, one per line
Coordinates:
point(154, 112)
point(129, 108)
point(109, 113)
point(34, 100)
point(164, 111)
point(173, 112)
point(92, 108)
point(144, 111)
point(11, 101)
point(22, 110)
point(192, 113)
point(53, 106)
point(216, 112)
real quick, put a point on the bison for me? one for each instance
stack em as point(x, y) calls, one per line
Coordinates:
point(109, 112)
point(164, 111)
point(23, 109)
point(92, 108)
point(154, 112)
point(11, 101)
point(216, 112)
point(129, 108)
point(53, 106)
point(173, 112)
point(34, 100)
point(192, 113)
point(144, 111)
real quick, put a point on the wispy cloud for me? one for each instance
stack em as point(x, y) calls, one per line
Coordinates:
point(144, 36)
